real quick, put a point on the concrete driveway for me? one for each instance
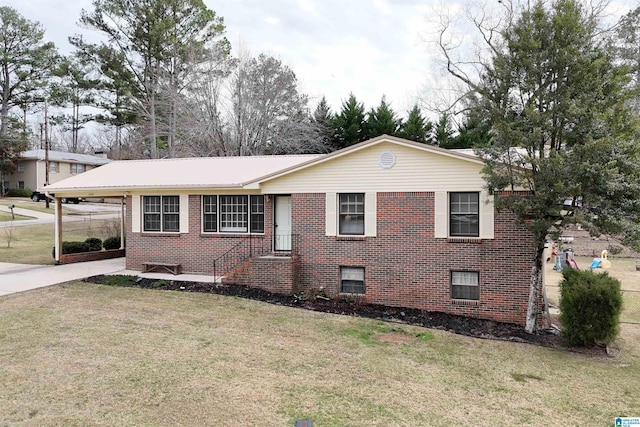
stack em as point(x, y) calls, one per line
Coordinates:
point(23, 277)
point(48, 218)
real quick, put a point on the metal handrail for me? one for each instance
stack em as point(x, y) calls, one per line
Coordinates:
point(244, 250)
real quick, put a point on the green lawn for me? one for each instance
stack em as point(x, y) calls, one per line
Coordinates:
point(35, 206)
point(33, 244)
point(7, 217)
point(90, 355)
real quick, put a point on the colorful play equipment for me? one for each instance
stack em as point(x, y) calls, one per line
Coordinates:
point(601, 262)
point(565, 259)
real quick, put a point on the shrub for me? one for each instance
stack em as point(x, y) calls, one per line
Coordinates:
point(125, 280)
point(111, 243)
point(72, 248)
point(14, 192)
point(95, 244)
point(590, 306)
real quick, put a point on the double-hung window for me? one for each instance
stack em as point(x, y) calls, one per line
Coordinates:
point(233, 214)
point(465, 285)
point(351, 214)
point(53, 167)
point(77, 168)
point(257, 214)
point(161, 213)
point(352, 280)
point(464, 214)
point(210, 213)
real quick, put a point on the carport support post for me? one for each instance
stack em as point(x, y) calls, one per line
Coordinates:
point(58, 228)
point(122, 222)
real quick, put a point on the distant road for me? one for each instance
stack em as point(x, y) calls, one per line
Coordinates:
point(87, 211)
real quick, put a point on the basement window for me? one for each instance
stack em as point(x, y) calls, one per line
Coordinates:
point(465, 285)
point(352, 280)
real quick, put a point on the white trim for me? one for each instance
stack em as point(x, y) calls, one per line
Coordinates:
point(487, 217)
point(331, 215)
point(441, 214)
point(370, 213)
point(184, 213)
point(136, 213)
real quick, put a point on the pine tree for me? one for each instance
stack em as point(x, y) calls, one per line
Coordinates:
point(26, 61)
point(350, 125)
point(382, 120)
point(322, 119)
point(560, 128)
point(416, 128)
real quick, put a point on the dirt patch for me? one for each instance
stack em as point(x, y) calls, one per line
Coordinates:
point(394, 338)
point(477, 328)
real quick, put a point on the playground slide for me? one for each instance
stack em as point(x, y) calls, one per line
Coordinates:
point(573, 264)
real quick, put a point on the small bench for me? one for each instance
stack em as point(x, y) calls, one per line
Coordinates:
point(151, 266)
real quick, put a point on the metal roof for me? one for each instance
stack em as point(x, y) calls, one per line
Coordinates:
point(61, 156)
point(201, 172)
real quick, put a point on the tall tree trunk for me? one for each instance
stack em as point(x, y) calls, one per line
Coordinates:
point(535, 290)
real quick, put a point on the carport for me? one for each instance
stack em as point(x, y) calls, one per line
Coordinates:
point(77, 187)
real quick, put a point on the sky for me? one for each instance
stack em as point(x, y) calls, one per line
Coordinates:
point(369, 48)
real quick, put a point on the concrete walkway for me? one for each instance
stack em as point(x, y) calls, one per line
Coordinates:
point(24, 277)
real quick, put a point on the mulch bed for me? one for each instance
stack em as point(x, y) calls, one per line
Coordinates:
point(477, 328)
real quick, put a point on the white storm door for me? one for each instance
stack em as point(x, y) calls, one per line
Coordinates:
point(282, 224)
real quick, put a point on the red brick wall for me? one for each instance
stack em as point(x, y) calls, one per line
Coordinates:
point(406, 266)
point(273, 273)
point(91, 256)
point(195, 251)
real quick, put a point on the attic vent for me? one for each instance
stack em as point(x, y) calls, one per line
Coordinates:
point(387, 160)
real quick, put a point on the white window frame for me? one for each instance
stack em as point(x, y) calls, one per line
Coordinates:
point(239, 216)
point(166, 210)
point(464, 212)
point(351, 204)
point(465, 279)
point(350, 276)
point(206, 211)
point(21, 167)
point(54, 167)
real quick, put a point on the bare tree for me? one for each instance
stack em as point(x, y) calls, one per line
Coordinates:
point(250, 107)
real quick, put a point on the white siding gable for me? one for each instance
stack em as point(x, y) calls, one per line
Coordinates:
point(361, 172)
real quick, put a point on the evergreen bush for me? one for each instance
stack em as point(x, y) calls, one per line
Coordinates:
point(590, 306)
point(95, 244)
point(111, 243)
point(72, 248)
point(14, 192)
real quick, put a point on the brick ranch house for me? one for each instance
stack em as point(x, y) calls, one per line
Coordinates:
point(392, 221)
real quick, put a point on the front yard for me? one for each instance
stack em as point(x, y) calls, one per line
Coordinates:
point(83, 354)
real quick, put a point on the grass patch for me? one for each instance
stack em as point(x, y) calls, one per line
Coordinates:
point(32, 244)
point(36, 206)
point(366, 332)
point(6, 217)
point(81, 354)
point(425, 336)
point(522, 378)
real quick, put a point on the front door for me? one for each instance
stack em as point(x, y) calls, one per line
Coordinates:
point(282, 224)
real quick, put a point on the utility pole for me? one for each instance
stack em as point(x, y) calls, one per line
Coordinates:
point(46, 150)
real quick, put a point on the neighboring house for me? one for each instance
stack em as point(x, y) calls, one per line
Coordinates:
point(31, 170)
point(388, 220)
